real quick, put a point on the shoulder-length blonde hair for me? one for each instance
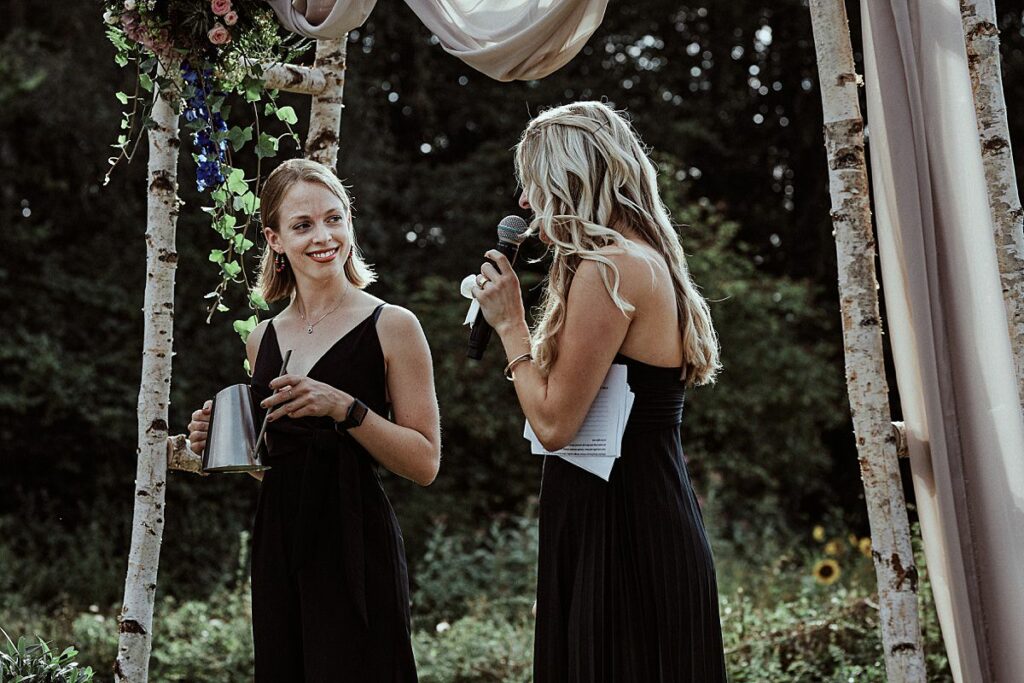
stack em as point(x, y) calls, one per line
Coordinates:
point(584, 171)
point(275, 285)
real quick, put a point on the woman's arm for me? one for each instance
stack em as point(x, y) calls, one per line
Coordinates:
point(411, 445)
point(594, 330)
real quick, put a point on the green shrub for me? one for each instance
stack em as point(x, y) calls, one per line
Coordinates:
point(493, 571)
point(197, 641)
point(475, 649)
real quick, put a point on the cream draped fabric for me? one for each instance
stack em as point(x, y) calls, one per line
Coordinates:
point(948, 330)
point(505, 39)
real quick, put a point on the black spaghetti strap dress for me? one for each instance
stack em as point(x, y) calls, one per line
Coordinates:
point(626, 589)
point(330, 587)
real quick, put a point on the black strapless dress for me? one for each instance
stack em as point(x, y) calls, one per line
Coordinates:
point(626, 584)
point(330, 587)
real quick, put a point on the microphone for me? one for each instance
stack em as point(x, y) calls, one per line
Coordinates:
point(510, 236)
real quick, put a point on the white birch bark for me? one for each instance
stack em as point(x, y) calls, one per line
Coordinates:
point(180, 457)
point(981, 35)
point(865, 372)
point(136, 619)
point(325, 115)
point(295, 78)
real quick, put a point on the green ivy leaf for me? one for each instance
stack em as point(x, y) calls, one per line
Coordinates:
point(253, 88)
point(225, 226)
point(242, 244)
point(214, 102)
point(236, 182)
point(266, 146)
point(217, 256)
point(239, 136)
point(245, 327)
point(287, 114)
point(232, 268)
point(146, 82)
point(122, 97)
point(120, 59)
point(248, 203)
point(222, 308)
point(219, 195)
point(256, 300)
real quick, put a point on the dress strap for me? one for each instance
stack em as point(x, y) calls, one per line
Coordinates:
point(377, 311)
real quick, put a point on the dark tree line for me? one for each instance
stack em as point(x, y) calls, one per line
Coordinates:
point(725, 94)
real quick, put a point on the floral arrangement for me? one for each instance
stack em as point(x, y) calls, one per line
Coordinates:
point(207, 52)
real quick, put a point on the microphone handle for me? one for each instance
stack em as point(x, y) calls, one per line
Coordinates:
point(480, 334)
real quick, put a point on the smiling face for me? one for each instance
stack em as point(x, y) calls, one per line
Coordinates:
point(313, 230)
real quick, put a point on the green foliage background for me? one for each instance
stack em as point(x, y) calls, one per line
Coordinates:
point(426, 147)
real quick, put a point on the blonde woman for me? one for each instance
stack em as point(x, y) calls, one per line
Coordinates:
point(330, 589)
point(626, 584)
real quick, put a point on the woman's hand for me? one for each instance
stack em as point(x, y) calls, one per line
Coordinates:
point(501, 299)
point(297, 397)
point(199, 427)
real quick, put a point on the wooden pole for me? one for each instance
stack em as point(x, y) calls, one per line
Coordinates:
point(981, 35)
point(136, 619)
point(862, 336)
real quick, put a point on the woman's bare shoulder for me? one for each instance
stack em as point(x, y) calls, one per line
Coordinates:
point(255, 338)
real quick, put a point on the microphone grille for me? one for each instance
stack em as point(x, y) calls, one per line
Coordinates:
point(511, 229)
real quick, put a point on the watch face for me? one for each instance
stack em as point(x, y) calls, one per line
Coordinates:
point(356, 413)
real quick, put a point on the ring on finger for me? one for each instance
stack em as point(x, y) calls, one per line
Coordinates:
point(481, 280)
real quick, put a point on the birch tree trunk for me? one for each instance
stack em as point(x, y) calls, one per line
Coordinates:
point(136, 620)
point(325, 115)
point(981, 34)
point(865, 372)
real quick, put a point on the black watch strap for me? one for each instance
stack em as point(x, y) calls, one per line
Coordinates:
point(356, 413)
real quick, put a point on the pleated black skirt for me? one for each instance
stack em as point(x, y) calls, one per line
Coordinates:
point(626, 584)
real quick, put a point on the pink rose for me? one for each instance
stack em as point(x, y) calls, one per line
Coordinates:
point(219, 35)
point(230, 18)
point(220, 7)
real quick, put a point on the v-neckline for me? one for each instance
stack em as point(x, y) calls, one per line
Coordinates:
point(280, 353)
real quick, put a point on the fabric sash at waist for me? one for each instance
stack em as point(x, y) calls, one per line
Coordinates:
point(656, 408)
point(326, 452)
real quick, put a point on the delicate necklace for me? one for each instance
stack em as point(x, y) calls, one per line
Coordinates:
point(311, 325)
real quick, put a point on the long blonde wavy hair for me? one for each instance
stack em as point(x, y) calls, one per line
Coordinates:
point(275, 285)
point(585, 172)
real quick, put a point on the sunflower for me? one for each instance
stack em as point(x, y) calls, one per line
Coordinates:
point(818, 533)
point(865, 546)
point(826, 572)
point(833, 547)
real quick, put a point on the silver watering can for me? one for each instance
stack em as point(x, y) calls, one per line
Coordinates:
point(232, 444)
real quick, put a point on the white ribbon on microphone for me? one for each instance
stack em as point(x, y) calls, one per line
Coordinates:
point(466, 289)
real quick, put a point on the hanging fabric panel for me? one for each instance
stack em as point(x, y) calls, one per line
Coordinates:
point(947, 325)
point(504, 39)
point(330, 19)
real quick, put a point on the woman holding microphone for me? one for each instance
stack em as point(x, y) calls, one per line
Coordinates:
point(330, 587)
point(626, 582)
